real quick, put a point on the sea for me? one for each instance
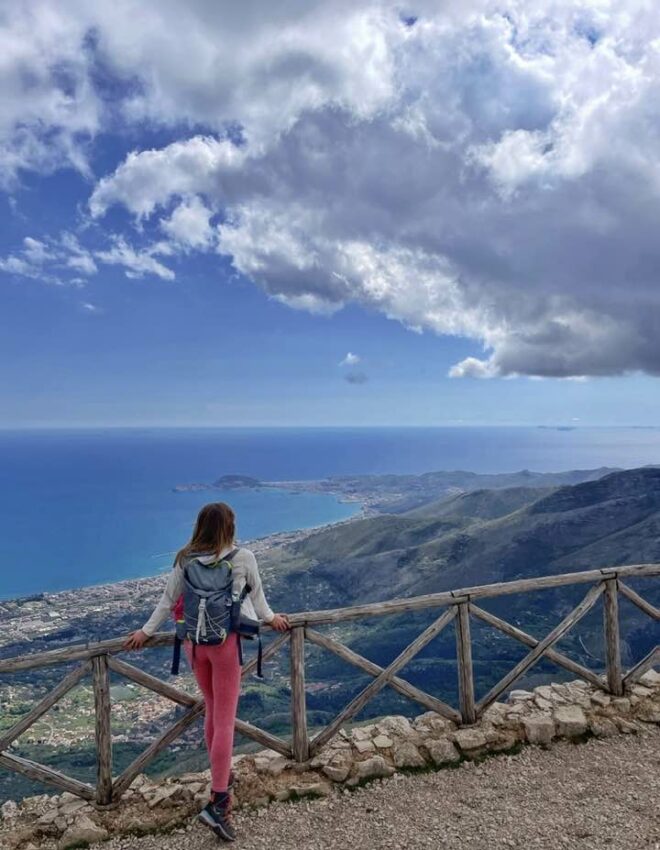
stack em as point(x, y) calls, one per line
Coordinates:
point(85, 507)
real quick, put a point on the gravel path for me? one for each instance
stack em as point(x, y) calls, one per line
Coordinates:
point(602, 794)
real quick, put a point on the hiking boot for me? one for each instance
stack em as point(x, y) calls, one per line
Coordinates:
point(217, 815)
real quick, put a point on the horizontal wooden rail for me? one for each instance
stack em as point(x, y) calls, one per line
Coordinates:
point(100, 660)
point(451, 597)
point(77, 652)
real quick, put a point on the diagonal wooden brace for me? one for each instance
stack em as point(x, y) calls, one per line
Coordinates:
point(125, 779)
point(636, 672)
point(542, 647)
point(54, 696)
point(400, 685)
point(47, 775)
point(382, 680)
point(639, 601)
point(552, 654)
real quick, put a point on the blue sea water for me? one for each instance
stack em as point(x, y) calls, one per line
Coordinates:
point(90, 506)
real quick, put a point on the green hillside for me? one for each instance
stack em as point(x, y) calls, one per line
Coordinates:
point(478, 538)
point(474, 538)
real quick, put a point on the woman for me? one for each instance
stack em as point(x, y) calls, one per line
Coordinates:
point(216, 667)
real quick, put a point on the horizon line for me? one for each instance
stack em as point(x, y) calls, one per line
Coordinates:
point(315, 427)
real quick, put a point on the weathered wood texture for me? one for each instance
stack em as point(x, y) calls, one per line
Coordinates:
point(103, 730)
point(612, 637)
point(464, 663)
point(47, 775)
point(637, 600)
point(78, 652)
point(52, 697)
point(532, 657)
point(298, 702)
point(356, 704)
point(397, 684)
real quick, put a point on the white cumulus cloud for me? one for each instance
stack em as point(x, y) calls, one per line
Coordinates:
point(489, 170)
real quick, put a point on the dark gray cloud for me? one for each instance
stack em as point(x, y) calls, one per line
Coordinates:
point(355, 377)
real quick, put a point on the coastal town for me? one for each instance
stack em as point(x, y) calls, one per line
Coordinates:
point(98, 612)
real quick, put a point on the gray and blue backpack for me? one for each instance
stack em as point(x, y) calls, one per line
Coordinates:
point(209, 609)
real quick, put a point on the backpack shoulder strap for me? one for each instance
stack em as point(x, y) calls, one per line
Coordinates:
point(226, 559)
point(232, 554)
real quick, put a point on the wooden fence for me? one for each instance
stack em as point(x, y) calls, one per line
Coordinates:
point(459, 606)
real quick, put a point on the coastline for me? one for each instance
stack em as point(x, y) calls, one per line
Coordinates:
point(59, 617)
point(81, 614)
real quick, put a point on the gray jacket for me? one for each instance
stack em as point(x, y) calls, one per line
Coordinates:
point(245, 571)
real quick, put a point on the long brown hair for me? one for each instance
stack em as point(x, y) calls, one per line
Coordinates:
point(214, 530)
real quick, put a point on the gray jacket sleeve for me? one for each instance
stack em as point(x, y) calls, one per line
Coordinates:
point(256, 595)
point(173, 589)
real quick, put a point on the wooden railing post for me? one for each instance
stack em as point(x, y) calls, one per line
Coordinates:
point(464, 658)
point(300, 742)
point(101, 683)
point(612, 639)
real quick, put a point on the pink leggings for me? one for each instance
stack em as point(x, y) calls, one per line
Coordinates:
point(218, 675)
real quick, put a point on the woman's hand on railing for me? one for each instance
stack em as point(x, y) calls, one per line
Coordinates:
point(280, 623)
point(136, 640)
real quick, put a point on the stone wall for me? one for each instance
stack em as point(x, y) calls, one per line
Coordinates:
point(364, 753)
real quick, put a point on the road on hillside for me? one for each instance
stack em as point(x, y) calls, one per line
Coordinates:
point(601, 795)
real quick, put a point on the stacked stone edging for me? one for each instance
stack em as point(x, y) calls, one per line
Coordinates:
point(375, 751)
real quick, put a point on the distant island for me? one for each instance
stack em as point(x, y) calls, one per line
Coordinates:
point(225, 482)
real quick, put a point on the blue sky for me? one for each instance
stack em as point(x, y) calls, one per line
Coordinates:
point(204, 243)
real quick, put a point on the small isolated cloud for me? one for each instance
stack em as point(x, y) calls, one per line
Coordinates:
point(356, 378)
point(472, 367)
point(350, 359)
point(90, 308)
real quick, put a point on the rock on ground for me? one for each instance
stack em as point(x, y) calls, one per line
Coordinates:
point(592, 796)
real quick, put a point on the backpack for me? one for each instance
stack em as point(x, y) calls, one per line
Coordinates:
point(209, 609)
